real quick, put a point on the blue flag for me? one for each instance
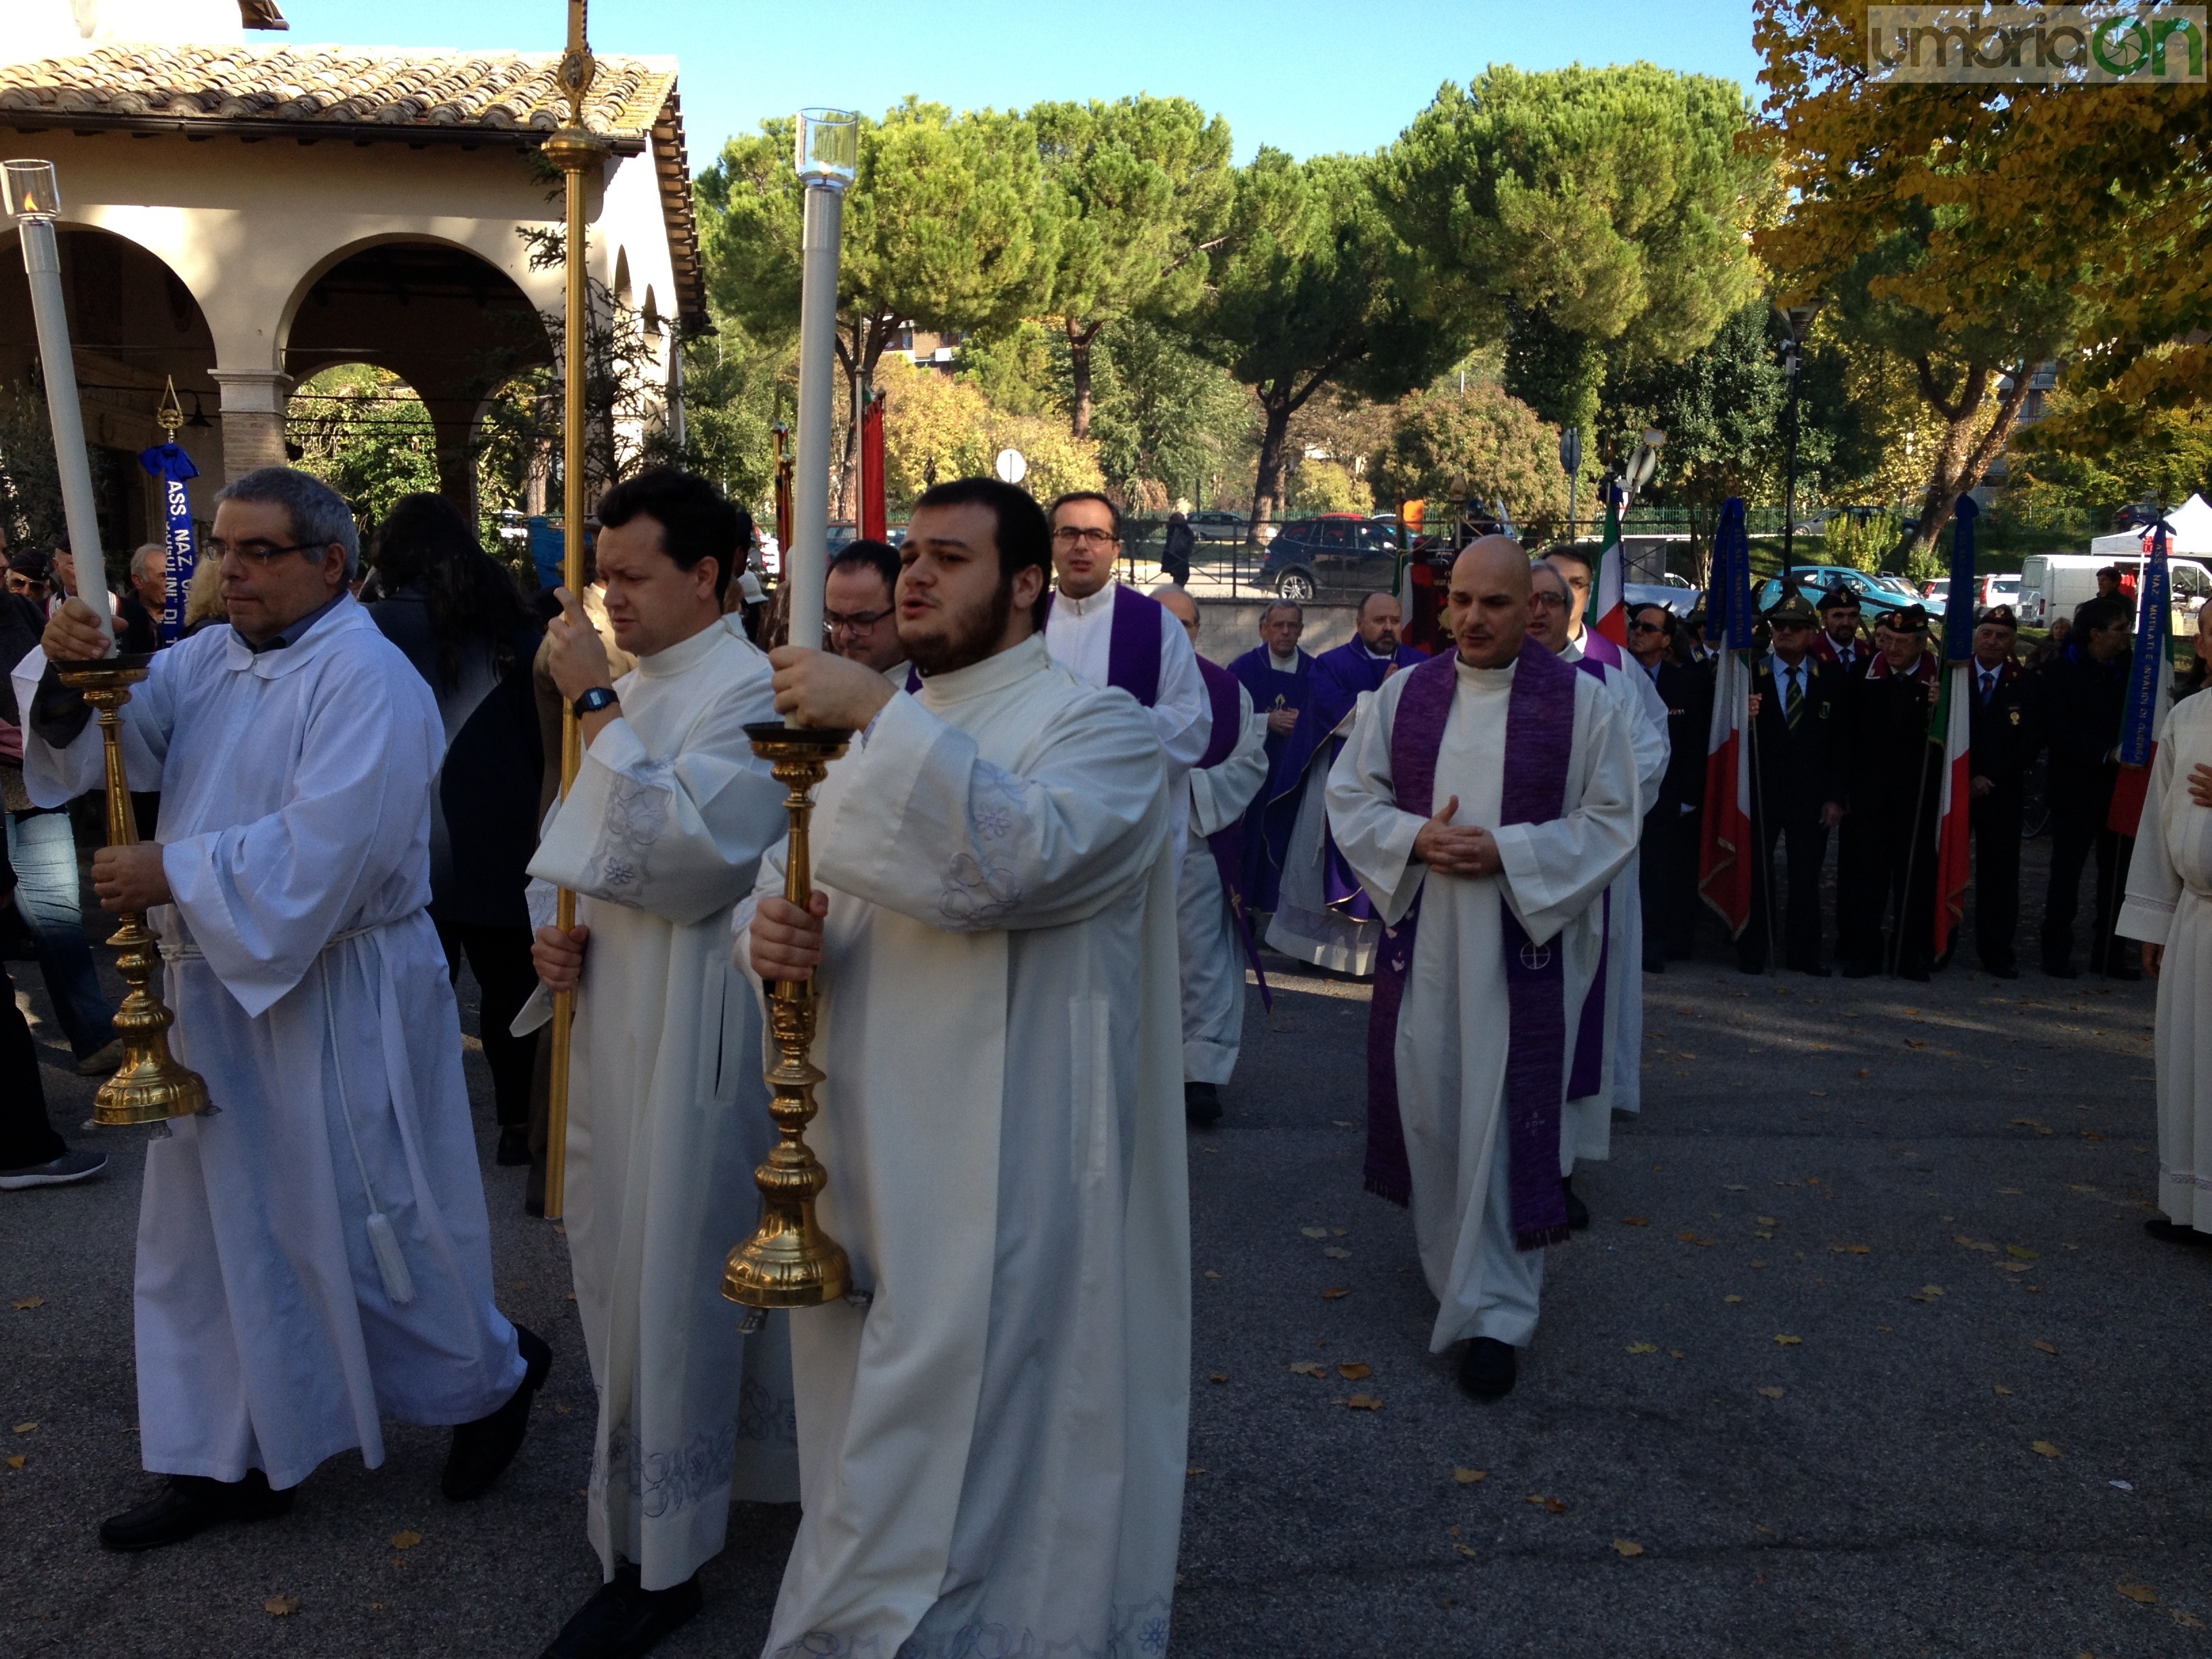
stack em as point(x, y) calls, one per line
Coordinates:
point(1958, 608)
point(172, 467)
point(2147, 669)
point(1730, 615)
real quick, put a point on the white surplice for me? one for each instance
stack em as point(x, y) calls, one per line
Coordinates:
point(659, 837)
point(991, 1449)
point(1079, 633)
point(310, 991)
point(2169, 902)
point(1453, 1025)
point(1213, 949)
point(1621, 1087)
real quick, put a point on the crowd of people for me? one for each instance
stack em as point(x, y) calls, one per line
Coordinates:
point(1042, 873)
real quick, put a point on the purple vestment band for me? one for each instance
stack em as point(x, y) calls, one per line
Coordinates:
point(1540, 725)
point(1226, 701)
point(1133, 646)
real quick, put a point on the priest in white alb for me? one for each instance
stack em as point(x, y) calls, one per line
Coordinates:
point(992, 1442)
point(659, 837)
point(314, 1256)
point(1213, 921)
point(2169, 908)
point(1484, 800)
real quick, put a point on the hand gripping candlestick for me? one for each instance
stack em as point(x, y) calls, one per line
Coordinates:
point(151, 1085)
point(574, 148)
point(789, 1261)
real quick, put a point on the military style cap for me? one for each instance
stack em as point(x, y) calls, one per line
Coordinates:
point(1839, 595)
point(2001, 615)
point(1793, 607)
point(1908, 619)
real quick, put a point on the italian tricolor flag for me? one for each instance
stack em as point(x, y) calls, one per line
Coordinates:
point(1725, 854)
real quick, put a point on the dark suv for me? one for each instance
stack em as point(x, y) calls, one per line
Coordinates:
point(1337, 553)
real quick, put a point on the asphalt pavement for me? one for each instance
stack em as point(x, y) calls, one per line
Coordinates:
point(1866, 1354)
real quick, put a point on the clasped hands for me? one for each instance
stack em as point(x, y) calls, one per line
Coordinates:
point(1454, 849)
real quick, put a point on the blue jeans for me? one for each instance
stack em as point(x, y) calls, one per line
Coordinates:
point(43, 850)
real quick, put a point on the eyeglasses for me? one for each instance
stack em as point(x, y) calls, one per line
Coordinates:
point(1549, 601)
point(1646, 627)
point(262, 553)
point(1070, 535)
point(855, 622)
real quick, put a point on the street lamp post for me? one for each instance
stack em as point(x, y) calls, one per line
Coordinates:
point(1798, 319)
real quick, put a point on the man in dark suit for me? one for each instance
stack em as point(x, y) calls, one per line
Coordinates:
point(1894, 783)
point(1668, 873)
point(1839, 644)
point(2081, 692)
point(2002, 741)
point(1796, 797)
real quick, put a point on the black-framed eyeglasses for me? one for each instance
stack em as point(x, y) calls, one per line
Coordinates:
point(1646, 627)
point(853, 622)
point(262, 553)
point(1071, 535)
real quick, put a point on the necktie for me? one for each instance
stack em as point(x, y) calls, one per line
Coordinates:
point(1792, 702)
point(1989, 685)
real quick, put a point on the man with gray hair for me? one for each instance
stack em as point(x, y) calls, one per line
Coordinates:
point(314, 1256)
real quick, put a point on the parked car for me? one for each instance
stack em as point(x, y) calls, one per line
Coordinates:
point(2053, 584)
point(1999, 590)
point(1213, 527)
point(1338, 553)
point(1877, 592)
point(1672, 590)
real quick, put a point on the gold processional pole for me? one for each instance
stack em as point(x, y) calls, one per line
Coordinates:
point(151, 1086)
point(789, 1261)
point(574, 150)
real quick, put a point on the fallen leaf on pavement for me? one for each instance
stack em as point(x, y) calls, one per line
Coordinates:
point(22, 1302)
point(1468, 1477)
point(1365, 1403)
point(1627, 1549)
point(1766, 1221)
point(2044, 1448)
point(1973, 1244)
point(1353, 1372)
point(25, 1428)
point(405, 1541)
point(1771, 1393)
point(1691, 1239)
point(2188, 1618)
point(1635, 1221)
point(1315, 1232)
point(2143, 1593)
point(1339, 1233)
point(2022, 1253)
point(1863, 1071)
point(1334, 1292)
point(17, 1461)
point(1789, 1342)
point(1555, 1506)
point(1309, 1368)
point(1643, 1347)
point(1731, 1298)
point(1336, 1252)
point(2044, 1347)
point(281, 1607)
point(2000, 1387)
point(1735, 1189)
point(1216, 1376)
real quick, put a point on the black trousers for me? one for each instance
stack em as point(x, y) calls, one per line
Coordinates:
point(27, 1138)
point(1804, 846)
point(1996, 819)
point(1858, 930)
point(2075, 833)
point(1667, 881)
point(1889, 900)
point(499, 958)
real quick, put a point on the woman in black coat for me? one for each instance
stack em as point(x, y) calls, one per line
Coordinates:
point(456, 615)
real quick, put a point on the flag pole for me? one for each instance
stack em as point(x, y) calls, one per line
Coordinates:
point(575, 149)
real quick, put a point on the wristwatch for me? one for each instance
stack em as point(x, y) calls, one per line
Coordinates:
point(598, 697)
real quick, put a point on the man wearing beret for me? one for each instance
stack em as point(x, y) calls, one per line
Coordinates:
point(1798, 793)
point(1895, 788)
point(2003, 737)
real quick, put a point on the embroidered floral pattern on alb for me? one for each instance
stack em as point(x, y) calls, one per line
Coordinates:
point(1141, 1634)
point(636, 814)
point(979, 890)
point(662, 1482)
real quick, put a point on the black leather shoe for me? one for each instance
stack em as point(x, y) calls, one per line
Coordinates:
point(624, 1619)
point(2172, 1232)
point(191, 1504)
point(482, 1449)
point(1201, 1104)
point(1577, 1211)
point(1914, 971)
point(2062, 970)
point(1487, 1368)
point(2127, 973)
point(2003, 970)
point(1859, 971)
point(514, 1145)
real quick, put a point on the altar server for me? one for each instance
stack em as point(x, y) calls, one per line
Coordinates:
point(1485, 799)
point(992, 1446)
point(314, 1256)
point(660, 837)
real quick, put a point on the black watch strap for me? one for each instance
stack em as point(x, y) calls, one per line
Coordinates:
point(598, 697)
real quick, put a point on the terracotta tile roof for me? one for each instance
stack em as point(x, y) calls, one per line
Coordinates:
point(404, 93)
point(369, 95)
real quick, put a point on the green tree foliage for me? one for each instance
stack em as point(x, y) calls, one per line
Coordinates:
point(937, 425)
point(1586, 215)
point(2063, 466)
point(1482, 445)
point(1137, 188)
point(1168, 422)
point(1311, 288)
point(364, 432)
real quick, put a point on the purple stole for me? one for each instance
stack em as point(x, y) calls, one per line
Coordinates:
point(1539, 729)
point(1225, 698)
point(1599, 653)
point(1132, 648)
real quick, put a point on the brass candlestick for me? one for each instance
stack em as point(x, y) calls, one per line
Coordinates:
point(152, 1085)
point(789, 1261)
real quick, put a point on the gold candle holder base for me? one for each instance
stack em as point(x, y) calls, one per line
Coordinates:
point(151, 1085)
point(789, 1261)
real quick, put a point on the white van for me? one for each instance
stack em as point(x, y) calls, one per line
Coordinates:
point(2053, 584)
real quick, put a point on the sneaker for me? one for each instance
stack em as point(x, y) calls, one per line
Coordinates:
point(70, 1168)
point(102, 1062)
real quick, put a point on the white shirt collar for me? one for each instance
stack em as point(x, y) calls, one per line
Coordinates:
point(1089, 606)
point(1284, 664)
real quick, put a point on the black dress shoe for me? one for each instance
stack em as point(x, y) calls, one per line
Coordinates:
point(1577, 1211)
point(191, 1504)
point(2172, 1232)
point(514, 1145)
point(2126, 972)
point(1201, 1102)
point(482, 1449)
point(1914, 971)
point(1859, 971)
point(2003, 970)
point(1487, 1368)
point(1810, 969)
point(625, 1619)
point(2062, 970)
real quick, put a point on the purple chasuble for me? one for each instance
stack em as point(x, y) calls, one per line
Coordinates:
point(1340, 676)
point(1224, 699)
point(1539, 729)
point(1133, 646)
point(1274, 810)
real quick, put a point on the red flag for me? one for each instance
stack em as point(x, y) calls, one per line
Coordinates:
point(1725, 854)
point(875, 516)
point(1954, 837)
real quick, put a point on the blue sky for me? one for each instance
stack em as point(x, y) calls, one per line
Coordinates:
point(1302, 75)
